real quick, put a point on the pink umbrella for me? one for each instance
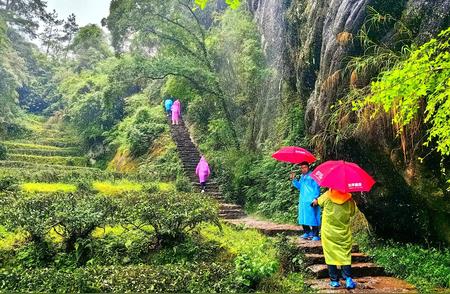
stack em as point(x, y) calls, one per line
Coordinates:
point(294, 154)
point(343, 176)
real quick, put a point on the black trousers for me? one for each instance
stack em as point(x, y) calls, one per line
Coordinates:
point(203, 185)
point(308, 229)
point(346, 271)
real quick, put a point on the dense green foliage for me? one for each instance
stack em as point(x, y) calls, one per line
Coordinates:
point(234, 4)
point(427, 268)
point(170, 215)
point(3, 151)
point(417, 90)
point(139, 226)
point(198, 277)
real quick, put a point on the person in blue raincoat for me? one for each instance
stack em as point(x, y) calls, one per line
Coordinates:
point(308, 216)
point(168, 105)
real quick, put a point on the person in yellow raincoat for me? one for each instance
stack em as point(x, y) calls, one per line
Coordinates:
point(337, 210)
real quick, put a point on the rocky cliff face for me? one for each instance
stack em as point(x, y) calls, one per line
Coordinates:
point(308, 42)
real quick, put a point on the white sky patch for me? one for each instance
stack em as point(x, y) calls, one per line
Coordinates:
point(86, 11)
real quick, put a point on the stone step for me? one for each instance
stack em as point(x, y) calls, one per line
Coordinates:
point(215, 193)
point(229, 206)
point(189, 150)
point(232, 215)
point(364, 285)
point(189, 157)
point(314, 258)
point(230, 210)
point(267, 228)
point(314, 247)
point(183, 137)
point(320, 271)
point(189, 165)
point(208, 184)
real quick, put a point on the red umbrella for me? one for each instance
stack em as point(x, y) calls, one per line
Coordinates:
point(294, 154)
point(343, 176)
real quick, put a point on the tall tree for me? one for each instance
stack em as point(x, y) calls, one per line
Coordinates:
point(24, 14)
point(89, 47)
point(11, 75)
point(51, 35)
point(176, 37)
point(70, 28)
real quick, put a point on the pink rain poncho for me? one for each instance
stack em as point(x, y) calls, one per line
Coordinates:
point(176, 111)
point(202, 170)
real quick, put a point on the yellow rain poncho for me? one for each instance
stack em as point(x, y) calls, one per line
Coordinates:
point(337, 210)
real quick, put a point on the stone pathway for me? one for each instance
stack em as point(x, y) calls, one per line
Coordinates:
point(371, 278)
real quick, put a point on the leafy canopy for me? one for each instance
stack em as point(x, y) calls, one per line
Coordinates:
point(419, 86)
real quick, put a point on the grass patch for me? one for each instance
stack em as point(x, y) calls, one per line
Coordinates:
point(59, 142)
point(45, 152)
point(115, 188)
point(60, 160)
point(249, 242)
point(18, 145)
point(47, 187)
point(166, 187)
point(117, 230)
point(53, 174)
point(10, 240)
point(256, 255)
point(426, 268)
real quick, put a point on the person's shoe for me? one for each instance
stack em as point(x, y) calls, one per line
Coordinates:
point(335, 284)
point(306, 235)
point(203, 190)
point(316, 238)
point(350, 284)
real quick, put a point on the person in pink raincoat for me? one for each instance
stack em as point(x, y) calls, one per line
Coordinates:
point(203, 172)
point(176, 112)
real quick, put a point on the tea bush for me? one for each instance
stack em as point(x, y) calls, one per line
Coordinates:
point(3, 152)
point(171, 214)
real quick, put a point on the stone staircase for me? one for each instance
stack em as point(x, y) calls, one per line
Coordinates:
point(190, 157)
point(371, 278)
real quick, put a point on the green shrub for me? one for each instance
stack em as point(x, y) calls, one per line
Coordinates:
point(195, 277)
point(151, 188)
point(171, 215)
point(291, 259)
point(3, 152)
point(51, 174)
point(165, 166)
point(78, 215)
point(183, 184)
point(84, 185)
point(255, 254)
point(426, 268)
point(141, 137)
point(61, 160)
point(73, 216)
point(33, 214)
point(8, 183)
